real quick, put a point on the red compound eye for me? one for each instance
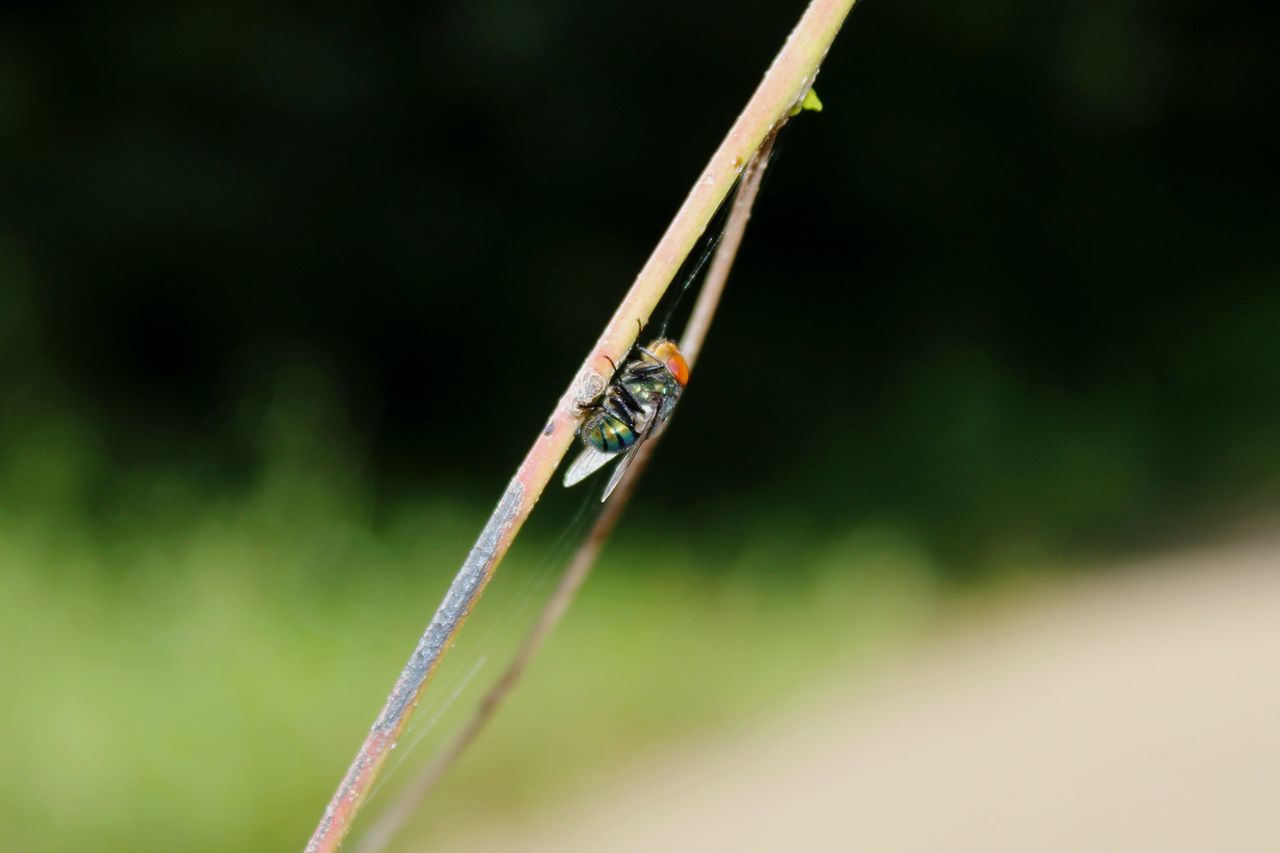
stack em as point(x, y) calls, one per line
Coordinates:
point(679, 368)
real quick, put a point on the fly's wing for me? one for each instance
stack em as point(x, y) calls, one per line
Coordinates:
point(616, 476)
point(651, 429)
point(589, 461)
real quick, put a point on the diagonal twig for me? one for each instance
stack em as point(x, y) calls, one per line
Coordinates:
point(784, 84)
point(584, 558)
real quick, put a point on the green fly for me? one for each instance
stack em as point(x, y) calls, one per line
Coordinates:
point(629, 411)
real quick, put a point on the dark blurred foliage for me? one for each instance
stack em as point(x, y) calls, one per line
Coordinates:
point(1015, 286)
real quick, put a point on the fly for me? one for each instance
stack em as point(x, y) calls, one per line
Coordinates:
point(631, 410)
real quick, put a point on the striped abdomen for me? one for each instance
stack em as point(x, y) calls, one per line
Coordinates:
point(608, 433)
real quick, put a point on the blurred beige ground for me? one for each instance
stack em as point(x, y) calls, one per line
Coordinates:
point(1137, 711)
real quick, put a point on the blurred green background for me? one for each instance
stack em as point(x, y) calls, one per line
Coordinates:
point(286, 293)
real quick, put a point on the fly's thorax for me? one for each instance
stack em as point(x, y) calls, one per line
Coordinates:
point(652, 388)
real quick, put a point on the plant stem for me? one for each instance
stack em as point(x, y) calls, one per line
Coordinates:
point(585, 556)
point(784, 84)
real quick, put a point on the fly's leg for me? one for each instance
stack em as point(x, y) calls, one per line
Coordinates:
point(609, 407)
point(629, 400)
point(591, 395)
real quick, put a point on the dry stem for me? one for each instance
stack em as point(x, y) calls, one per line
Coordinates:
point(784, 84)
point(584, 558)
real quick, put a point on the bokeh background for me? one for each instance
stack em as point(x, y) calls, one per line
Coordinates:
point(285, 294)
